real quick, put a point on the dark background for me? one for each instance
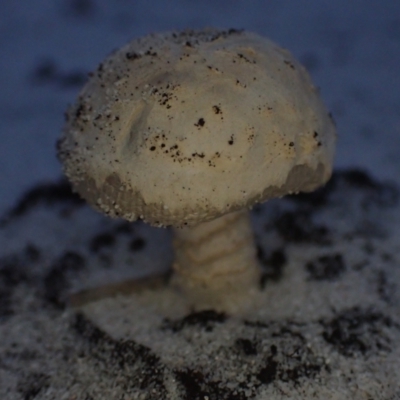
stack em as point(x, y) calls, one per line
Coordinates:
point(351, 48)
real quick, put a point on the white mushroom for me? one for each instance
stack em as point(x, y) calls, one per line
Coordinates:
point(190, 129)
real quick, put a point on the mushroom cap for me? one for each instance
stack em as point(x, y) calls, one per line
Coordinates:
point(180, 128)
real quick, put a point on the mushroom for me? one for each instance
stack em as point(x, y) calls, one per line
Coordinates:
point(191, 129)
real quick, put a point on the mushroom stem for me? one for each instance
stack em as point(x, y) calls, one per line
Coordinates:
point(215, 262)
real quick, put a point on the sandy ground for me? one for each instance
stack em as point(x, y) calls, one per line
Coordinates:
point(325, 325)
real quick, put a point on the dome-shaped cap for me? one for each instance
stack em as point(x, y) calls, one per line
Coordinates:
point(179, 128)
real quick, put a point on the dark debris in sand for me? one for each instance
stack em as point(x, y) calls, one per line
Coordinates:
point(49, 351)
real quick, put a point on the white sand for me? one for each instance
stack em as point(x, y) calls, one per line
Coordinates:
point(325, 326)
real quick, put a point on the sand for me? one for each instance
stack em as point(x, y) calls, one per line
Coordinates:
point(326, 324)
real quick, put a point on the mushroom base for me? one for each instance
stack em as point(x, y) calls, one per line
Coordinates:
point(215, 263)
